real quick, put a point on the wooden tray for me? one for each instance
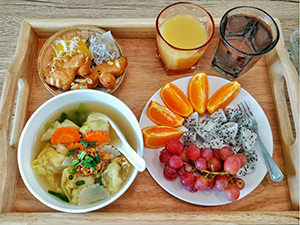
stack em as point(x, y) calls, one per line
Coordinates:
point(145, 201)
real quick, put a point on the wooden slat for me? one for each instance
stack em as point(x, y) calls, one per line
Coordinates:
point(152, 218)
point(21, 68)
point(281, 71)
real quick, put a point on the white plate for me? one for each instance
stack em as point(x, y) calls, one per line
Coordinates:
point(209, 197)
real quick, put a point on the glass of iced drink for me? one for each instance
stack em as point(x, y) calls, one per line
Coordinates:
point(246, 34)
point(183, 32)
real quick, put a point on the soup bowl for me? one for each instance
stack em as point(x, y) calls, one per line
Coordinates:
point(27, 152)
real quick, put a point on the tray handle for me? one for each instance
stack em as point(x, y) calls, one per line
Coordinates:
point(18, 78)
point(281, 72)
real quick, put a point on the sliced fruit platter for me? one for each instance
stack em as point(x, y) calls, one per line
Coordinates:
point(198, 145)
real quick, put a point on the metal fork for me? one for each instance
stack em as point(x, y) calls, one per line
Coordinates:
point(274, 172)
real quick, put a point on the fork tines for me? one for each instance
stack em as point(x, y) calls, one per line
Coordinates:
point(243, 106)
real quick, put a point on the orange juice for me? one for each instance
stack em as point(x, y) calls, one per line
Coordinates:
point(184, 35)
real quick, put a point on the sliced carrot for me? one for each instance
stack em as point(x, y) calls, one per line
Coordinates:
point(74, 145)
point(65, 135)
point(96, 136)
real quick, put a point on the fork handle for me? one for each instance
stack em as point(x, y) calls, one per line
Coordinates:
point(274, 171)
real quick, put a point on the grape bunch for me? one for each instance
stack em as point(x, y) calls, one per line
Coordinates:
point(200, 169)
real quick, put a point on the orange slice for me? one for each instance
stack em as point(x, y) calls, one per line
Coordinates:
point(65, 135)
point(176, 100)
point(158, 136)
point(198, 92)
point(223, 96)
point(163, 116)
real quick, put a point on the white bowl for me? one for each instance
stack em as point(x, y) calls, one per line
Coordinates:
point(42, 115)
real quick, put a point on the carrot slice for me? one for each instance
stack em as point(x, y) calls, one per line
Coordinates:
point(74, 145)
point(65, 135)
point(96, 136)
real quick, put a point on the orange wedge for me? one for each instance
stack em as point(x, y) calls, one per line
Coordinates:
point(198, 92)
point(158, 136)
point(223, 96)
point(176, 100)
point(163, 116)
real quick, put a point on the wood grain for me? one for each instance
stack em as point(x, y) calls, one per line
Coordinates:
point(151, 218)
point(144, 76)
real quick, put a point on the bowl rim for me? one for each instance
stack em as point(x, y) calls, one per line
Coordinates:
point(94, 206)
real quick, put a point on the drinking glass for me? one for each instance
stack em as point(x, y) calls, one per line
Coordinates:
point(246, 34)
point(177, 59)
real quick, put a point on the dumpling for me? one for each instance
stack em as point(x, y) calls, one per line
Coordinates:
point(70, 188)
point(95, 121)
point(92, 193)
point(49, 165)
point(115, 174)
point(53, 127)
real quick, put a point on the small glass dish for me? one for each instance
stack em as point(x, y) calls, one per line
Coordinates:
point(83, 32)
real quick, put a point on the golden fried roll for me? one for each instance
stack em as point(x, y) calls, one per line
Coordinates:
point(108, 80)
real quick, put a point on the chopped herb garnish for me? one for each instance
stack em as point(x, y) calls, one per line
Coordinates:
point(70, 177)
point(59, 195)
point(98, 175)
point(91, 143)
point(81, 155)
point(71, 152)
point(94, 167)
point(81, 182)
point(62, 117)
point(88, 162)
point(97, 158)
point(72, 170)
point(74, 162)
point(85, 144)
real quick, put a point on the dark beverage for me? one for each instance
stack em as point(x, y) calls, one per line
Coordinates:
point(244, 39)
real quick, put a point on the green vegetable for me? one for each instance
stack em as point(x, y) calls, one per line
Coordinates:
point(71, 152)
point(98, 175)
point(81, 182)
point(47, 126)
point(85, 144)
point(97, 158)
point(91, 143)
point(70, 177)
point(74, 162)
point(62, 117)
point(72, 170)
point(81, 155)
point(59, 195)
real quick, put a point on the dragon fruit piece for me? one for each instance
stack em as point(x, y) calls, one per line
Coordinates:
point(192, 121)
point(228, 132)
point(235, 149)
point(249, 168)
point(244, 122)
point(217, 143)
point(203, 145)
point(247, 138)
point(233, 115)
point(218, 116)
point(189, 138)
point(207, 132)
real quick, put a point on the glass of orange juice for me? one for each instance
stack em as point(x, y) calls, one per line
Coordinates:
point(183, 32)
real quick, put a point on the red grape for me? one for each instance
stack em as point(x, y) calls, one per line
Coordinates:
point(214, 165)
point(243, 159)
point(200, 164)
point(187, 179)
point(193, 152)
point(232, 192)
point(211, 183)
point(175, 162)
point(221, 182)
point(239, 182)
point(207, 154)
point(181, 170)
point(225, 152)
point(175, 147)
point(191, 188)
point(170, 173)
point(184, 156)
point(232, 164)
point(201, 182)
point(188, 167)
point(164, 157)
point(216, 154)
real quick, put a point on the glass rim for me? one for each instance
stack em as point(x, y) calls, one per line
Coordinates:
point(246, 53)
point(186, 49)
